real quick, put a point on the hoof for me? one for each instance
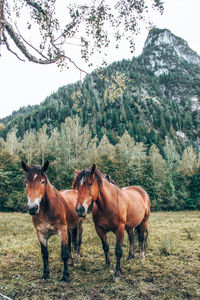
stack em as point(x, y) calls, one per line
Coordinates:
point(117, 277)
point(45, 276)
point(107, 264)
point(118, 274)
point(65, 279)
point(130, 257)
point(77, 260)
point(142, 256)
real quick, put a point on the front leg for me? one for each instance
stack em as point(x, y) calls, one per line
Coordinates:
point(45, 255)
point(105, 244)
point(65, 251)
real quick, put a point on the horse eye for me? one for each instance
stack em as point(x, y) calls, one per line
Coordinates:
point(26, 181)
point(90, 184)
point(43, 181)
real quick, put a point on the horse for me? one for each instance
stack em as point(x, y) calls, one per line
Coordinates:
point(114, 209)
point(53, 212)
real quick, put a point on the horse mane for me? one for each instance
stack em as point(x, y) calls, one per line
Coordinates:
point(86, 174)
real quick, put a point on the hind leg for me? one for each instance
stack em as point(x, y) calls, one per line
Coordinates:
point(118, 249)
point(131, 236)
point(142, 234)
point(78, 241)
point(65, 251)
point(69, 242)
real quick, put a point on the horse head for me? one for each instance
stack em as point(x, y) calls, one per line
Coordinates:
point(36, 181)
point(87, 184)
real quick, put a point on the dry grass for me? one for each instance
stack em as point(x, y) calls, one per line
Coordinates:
point(171, 269)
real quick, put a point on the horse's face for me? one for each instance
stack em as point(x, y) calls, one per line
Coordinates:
point(35, 181)
point(87, 187)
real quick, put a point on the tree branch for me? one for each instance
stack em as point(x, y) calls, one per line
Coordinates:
point(36, 6)
point(23, 48)
point(72, 62)
point(9, 49)
point(31, 46)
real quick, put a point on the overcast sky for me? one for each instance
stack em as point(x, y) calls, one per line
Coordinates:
point(28, 83)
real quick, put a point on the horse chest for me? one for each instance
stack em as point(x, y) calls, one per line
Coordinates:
point(46, 228)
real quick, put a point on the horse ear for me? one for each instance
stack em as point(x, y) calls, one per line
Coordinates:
point(25, 166)
point(45, 166)
point(93, 169)
point(76, 171)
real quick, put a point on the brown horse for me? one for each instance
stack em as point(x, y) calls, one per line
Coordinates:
point(52, 213)
point(115, 209)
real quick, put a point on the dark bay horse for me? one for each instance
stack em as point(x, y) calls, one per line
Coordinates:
point(52, 213)
point(115, 209)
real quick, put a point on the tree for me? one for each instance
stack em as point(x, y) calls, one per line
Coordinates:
point(12, 143)
point(188, 165)
point(29, 147)
point(158, 176)
point(106, 148)
point(171, 155)
point(124, 148)
point(43, 143)
point(44, 21)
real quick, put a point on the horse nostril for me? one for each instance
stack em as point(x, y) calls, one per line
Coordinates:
point(82, 209)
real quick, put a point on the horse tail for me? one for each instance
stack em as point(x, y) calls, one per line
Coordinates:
point(147, 205)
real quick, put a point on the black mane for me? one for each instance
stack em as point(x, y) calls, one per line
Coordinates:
point(86, 174)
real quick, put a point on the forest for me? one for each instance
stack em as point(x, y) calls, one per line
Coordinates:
point(171, 179)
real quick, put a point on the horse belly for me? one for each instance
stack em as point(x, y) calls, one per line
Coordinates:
point(135, 212)
point(107, 222)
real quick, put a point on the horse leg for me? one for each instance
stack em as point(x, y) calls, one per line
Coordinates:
point(142, 234)
point(45, 255)
point(131, 236)
point(105, 244)
point(118, 249)
point(78, 241)
point(69, 242)
point(65, 251)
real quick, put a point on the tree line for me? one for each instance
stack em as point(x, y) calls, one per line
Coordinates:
point(172, 180)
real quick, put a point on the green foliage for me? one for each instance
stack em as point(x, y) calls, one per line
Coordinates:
point(12, 197)
point(168, 181)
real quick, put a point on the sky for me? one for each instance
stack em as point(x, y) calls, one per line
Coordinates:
point(25, 83)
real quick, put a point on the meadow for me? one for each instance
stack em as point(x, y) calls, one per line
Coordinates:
point(171, 269)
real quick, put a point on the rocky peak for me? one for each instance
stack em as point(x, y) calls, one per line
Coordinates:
point(164, 52)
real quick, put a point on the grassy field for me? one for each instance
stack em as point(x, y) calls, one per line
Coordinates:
point(171, 269)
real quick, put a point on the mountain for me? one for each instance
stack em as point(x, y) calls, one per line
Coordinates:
point(151, 96)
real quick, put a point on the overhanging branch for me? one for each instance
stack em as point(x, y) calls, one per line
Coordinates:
point(16, 39)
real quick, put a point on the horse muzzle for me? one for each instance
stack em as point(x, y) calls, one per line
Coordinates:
point(81, 211)
point(33, 209)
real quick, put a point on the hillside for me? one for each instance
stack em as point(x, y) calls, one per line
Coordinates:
point(155, 94)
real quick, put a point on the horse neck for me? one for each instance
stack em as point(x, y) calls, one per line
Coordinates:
point(50, 195)
point(105, 200)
